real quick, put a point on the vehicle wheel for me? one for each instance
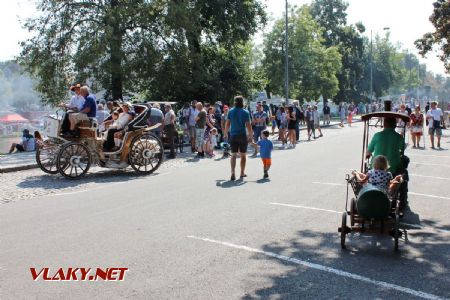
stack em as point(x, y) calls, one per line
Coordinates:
point(343, 229)
point(396, 231)
point(146, 153)
point(352, 211)
point(46, 155)
point(74, 160)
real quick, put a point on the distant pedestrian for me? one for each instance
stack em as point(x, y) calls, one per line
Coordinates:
point(191, 115)
point(170, 130)
point(291, 121)
point(316, 115)
point(341, 114)
point(200, 124)
point(259, 122)
point(435, 119)
point(326, 114)
point(239, 129)
point(416, 126)
point(310, 123)
point(265, 148)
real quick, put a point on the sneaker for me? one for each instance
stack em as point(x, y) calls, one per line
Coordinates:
point(282, 147)
point(233, 177)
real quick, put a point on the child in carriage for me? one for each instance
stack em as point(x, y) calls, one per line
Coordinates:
point(379, 176)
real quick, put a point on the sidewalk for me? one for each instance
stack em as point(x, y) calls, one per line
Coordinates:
point(27, 160)
point(17, 161)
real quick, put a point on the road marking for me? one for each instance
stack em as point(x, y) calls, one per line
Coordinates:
point(428, 195)
point(416, 226)
point(409, 193)
point(323, 268)
point(306, 207)
point(427, 164)
point(330, 183)
point(425, 176)
point(427, 155)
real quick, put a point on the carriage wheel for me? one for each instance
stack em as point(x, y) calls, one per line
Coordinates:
point(352, 211)
point(146, 153)
point(343, 229)
point(46, 156)
point(73, 160)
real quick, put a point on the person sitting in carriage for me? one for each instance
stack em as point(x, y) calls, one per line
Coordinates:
point(88, 110)
point(390, 144)
point(379, 176)
point(115, 128)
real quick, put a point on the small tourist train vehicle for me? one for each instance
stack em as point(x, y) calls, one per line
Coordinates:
point(372, 210)
point(72, 157)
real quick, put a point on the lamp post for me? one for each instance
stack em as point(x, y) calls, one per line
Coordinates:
point(371, 64)
point(286, 58)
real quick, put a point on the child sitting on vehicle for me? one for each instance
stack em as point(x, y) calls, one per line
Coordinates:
point(379, 176)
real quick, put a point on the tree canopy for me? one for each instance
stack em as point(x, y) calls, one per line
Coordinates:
point(169, 50)
point(441, 37)
point(312, 66)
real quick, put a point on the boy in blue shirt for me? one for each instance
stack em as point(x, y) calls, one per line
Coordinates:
point(266, 147)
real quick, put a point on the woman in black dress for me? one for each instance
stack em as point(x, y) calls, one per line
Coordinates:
point(291, 126)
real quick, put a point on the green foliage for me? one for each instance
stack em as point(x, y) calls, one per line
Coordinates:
point(441, 37)
point(312, 66)
point(332, 17)
point(170, 50)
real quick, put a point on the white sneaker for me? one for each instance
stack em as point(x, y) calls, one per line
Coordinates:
point(282, 147)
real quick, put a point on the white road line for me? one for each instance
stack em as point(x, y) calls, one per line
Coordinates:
point(306, 207)
point(409, 193)
point(329, 183)
point(416, 226)
point(425, 176)
point(427, 164)
point(426, 155)
point(428, 195)
point(323, 268)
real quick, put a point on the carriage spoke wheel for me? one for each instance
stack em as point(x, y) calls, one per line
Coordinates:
point(73, 160)
point(46, 155)
point(343, 229)
point(146, 153)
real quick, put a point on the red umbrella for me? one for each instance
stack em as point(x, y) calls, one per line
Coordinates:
point(13, 118)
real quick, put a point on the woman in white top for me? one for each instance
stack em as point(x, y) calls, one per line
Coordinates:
point(113, 137)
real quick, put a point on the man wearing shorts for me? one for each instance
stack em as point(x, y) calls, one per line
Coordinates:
point(191, 115)
point(435, 119)
point(259, 124)
point(239, 128)
point(200, 124)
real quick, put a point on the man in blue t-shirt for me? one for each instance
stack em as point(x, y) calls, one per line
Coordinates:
point(239, 130)
point(89, 110)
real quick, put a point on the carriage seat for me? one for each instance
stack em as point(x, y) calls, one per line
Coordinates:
point(88, 128)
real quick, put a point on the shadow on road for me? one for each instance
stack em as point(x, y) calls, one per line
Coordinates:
point(422, 264)
point(229, 184)
point(57, 181)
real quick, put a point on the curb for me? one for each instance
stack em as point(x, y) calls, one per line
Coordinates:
point(18, 168)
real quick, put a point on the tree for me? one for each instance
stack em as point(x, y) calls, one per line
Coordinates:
point(441, 37)
point(332, 17)
point(312, 66)
point(159, 47)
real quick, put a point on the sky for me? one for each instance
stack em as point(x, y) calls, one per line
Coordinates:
point(407, 20)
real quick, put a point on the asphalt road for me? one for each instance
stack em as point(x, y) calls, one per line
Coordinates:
point(189, 233)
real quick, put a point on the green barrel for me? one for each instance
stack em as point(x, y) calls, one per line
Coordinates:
point(373, 203)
